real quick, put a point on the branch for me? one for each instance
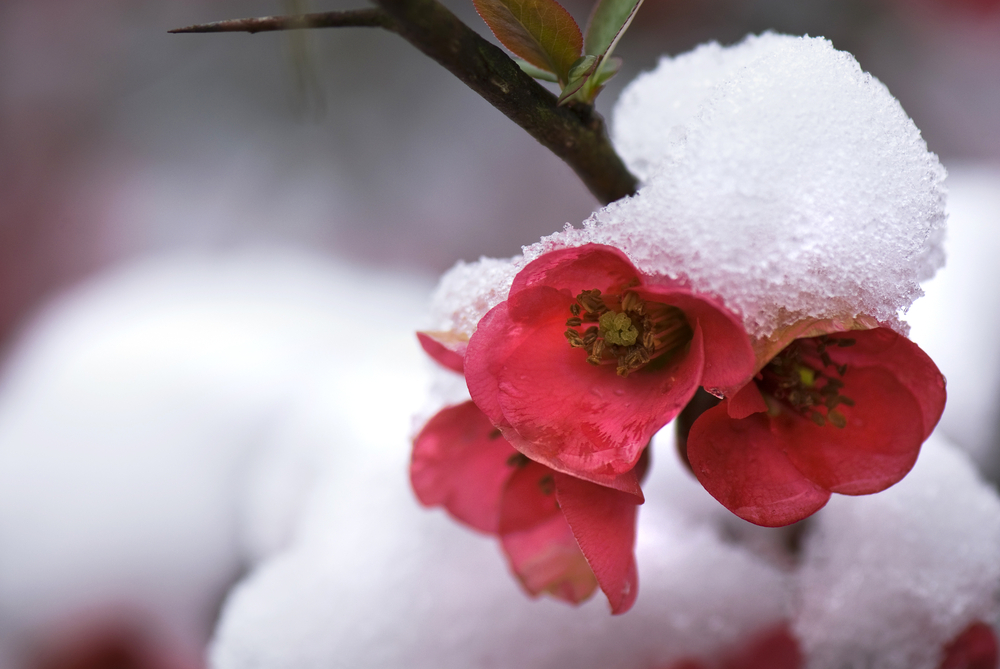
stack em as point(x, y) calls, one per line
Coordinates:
point(356, 18)
point(575, 133)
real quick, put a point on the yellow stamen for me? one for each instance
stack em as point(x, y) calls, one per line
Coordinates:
point(629, 331)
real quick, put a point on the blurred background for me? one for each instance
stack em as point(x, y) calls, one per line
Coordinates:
point(120, 142)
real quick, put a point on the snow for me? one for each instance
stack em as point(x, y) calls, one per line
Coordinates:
point(888, 580)
point(778, 176)
point(956, 323)
point(468, 290)
point(142, 466)
point(373, 580)
point(377, 581)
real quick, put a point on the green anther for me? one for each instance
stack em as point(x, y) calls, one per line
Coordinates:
point(618, 329)
point(807, 375)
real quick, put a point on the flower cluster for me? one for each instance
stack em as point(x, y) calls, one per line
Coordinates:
point(570, 378)
point(588, 358)
point(789, 212)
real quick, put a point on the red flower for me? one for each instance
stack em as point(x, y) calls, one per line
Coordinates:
point(844, 412)
point(561, 535)
point(588, 358)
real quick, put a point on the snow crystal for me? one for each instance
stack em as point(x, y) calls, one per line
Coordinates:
point(468, 290)
point(889, 579)
point(779, 176)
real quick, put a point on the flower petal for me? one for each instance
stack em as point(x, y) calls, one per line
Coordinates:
point(555, 407)
point(584, 419)
point(529, 497)
point(577, 269)
point(538, 541)
point(905, 360)
point(775, 648)
point(447, 348)
point(546, 558)
point(495, 337)
point(876, 448)
point(460, 462)
point(603, 522)
point(746, 401)
point(740, 464)
point(729, 356)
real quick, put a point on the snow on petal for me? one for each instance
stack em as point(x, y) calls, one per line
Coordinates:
point(779, 178)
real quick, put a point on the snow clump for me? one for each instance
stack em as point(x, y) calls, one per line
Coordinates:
point(778, 176)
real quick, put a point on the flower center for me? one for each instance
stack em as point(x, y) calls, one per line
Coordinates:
point(798, 378)
point(626, 330)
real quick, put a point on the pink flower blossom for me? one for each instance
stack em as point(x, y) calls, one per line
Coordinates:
point(561, 535)
point(587, 359)
point(845, 412)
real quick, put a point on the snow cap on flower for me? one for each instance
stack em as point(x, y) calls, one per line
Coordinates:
point(781, 177)
point(778, 176)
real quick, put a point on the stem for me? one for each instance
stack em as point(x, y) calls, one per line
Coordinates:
point(574, 132)
point(356, 18)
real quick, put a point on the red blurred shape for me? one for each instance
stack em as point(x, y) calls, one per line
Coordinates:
point(975, 648)
point(773, 649)
point(108, 642)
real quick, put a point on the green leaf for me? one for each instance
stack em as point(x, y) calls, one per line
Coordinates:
point(595, 84)
point(607, 24)
point(581, 71)
point(539, 31)
point(535, 72)
point(582, 68)
point(609, 68)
